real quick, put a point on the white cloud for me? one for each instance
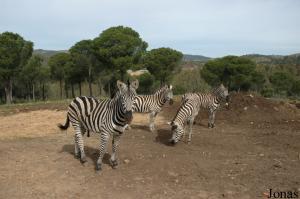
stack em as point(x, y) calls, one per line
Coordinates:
point(212, 28)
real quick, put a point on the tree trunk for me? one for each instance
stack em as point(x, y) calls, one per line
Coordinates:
point(109, 92)
point(122, 75)
point(43, 92)
point(90, 81)
point(66, 91)
point(79, 85)
point(60, 85)
point(33, 92)
point(8, 91)
point(99, 86)
point(73, 94)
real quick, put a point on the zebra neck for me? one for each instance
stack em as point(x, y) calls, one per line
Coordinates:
point(161, 98)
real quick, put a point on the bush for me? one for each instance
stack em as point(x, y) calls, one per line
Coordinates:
point(146, 82)
point(267, 92)
point(189, 81)
point(295, 90)
point(282, 82)
point(238, 73)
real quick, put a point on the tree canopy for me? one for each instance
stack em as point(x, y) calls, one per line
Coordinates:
point(161, 62)
point(119, 48)
point(238, 73)
point(14, 54)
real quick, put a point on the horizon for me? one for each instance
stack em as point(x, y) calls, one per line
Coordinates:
point(208, 28)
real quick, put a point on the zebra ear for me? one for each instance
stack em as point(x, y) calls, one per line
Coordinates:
point(135, 84)
point(121, 85)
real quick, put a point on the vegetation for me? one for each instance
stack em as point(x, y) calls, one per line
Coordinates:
point(14, 54)
point(91, 67)
point(162, 62)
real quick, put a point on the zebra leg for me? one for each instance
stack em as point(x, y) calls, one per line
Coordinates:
point(210, 118)
point(128, 127)
point(213, 119)
point(152, 117)
point(113, 159)
point(104, 136)
point(79, 142)
point(191, 122)
point(76, 148)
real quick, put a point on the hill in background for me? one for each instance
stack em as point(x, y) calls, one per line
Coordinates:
point(191, 61)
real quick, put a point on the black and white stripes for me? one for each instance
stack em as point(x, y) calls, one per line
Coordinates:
point(153, 103)
point(190, 106)
point(107, 117)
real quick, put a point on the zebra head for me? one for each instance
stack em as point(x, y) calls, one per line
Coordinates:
point(177, 132)
point(168, 94)
point(127, 95)
point(222, 92)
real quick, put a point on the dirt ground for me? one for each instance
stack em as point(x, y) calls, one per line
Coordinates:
point(253, 148)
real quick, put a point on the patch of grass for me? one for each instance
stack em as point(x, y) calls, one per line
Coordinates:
point(31, 106)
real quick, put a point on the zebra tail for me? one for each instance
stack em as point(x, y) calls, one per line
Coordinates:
point(64, 127)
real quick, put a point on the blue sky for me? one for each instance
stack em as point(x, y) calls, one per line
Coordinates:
point(208, 27)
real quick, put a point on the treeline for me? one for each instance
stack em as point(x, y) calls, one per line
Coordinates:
point(101, 61)
point(243, 74)
point(96, 64)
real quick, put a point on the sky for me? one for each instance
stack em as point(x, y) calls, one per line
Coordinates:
point(211, 28)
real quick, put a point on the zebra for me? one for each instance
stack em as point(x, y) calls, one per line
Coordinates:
point(186, 114)
point(190, 106)
point(211, 101)
point(153, 103)
point(108, 117)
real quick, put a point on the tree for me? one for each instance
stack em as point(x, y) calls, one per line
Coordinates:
point(146, 82)
point(84, 63)
point(189, 81)
point(282, 82)
point(14, 54)
point(295, 90)
point(58, 64)
point(161, 62)
point(237, 73)
point(31, 72)
point(43, 78)
point(119, 48)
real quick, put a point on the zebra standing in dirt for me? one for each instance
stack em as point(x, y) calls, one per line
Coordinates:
point(189, 109)
point(153, 103)
point(108, 117)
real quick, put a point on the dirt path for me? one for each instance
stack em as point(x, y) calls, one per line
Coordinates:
point(234, 160)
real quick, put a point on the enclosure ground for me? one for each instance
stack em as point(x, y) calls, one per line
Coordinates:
point(254, 147)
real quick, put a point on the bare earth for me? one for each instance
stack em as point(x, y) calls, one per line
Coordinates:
point(255, 146)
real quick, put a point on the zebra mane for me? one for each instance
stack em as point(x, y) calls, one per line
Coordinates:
point(218, 91)
point(160, 90)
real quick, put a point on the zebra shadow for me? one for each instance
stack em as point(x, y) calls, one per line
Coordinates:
point(140, 127)
point(90, 152)
point(163, 136)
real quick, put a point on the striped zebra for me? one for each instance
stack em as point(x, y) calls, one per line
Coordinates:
point(190, 106)
point(153, 104)
point(108, 117)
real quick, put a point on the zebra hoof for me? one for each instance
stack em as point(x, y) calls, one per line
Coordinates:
point(152, 129)
point(98, 168)
point(83, 160)
point(77, 156)
point(114, 164)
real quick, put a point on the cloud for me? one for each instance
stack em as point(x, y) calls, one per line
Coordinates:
point(212, 28)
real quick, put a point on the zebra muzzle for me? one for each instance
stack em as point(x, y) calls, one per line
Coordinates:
point(128, 117)
point(171, 101)
point(172, 141)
